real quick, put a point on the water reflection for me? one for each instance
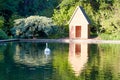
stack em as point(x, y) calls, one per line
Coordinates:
point(78, 56)
point(103, 62)
point(31, 54)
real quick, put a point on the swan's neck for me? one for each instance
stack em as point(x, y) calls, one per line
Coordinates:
point(46, 45)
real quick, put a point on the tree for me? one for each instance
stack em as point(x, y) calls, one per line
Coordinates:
point(37, 7)
point(102, 13)
point(25, 8)
point(33, 26)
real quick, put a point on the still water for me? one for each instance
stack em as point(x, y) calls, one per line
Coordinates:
point(27, 61)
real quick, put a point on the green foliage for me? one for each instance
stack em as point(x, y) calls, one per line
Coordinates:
point(1, 22)
point(62, 15)
point(23, 8)
point(102, 13)
point(37, 7)
point(110, 21)
point(8, 5)
point(13, 17)
point(28, 7)
point(33, 26)
point(114, 36)
point(60, 32)
point(3, 35)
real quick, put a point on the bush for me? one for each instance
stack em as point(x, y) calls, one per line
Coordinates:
point(3, 35)
point(32, 27)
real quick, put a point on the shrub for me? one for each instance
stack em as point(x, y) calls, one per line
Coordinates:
point(3, 35)
point(32, 27)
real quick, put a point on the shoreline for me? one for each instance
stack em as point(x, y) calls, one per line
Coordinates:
point(9, 40)
point(90, 41)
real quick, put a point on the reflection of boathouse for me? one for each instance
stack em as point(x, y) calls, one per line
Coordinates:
point(79, 24)
point(78, 56)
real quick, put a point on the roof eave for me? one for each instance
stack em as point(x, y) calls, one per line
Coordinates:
point(73, 15)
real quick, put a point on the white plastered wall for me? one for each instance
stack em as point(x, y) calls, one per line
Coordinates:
point(79, 20)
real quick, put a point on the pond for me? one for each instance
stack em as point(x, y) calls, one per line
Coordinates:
point(27, 61)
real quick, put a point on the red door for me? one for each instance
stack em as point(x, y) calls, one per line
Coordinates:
point(78, 31)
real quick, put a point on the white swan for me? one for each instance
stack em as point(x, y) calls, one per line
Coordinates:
point(47, 50)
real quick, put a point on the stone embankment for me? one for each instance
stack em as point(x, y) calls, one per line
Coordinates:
point(9, 40)
point(63, 40)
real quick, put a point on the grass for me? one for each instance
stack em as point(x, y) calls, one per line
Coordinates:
point(109, 36)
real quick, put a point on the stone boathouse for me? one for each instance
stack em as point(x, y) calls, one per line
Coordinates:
point(79, 25)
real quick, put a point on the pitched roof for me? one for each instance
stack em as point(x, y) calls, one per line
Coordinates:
point(83, 11)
